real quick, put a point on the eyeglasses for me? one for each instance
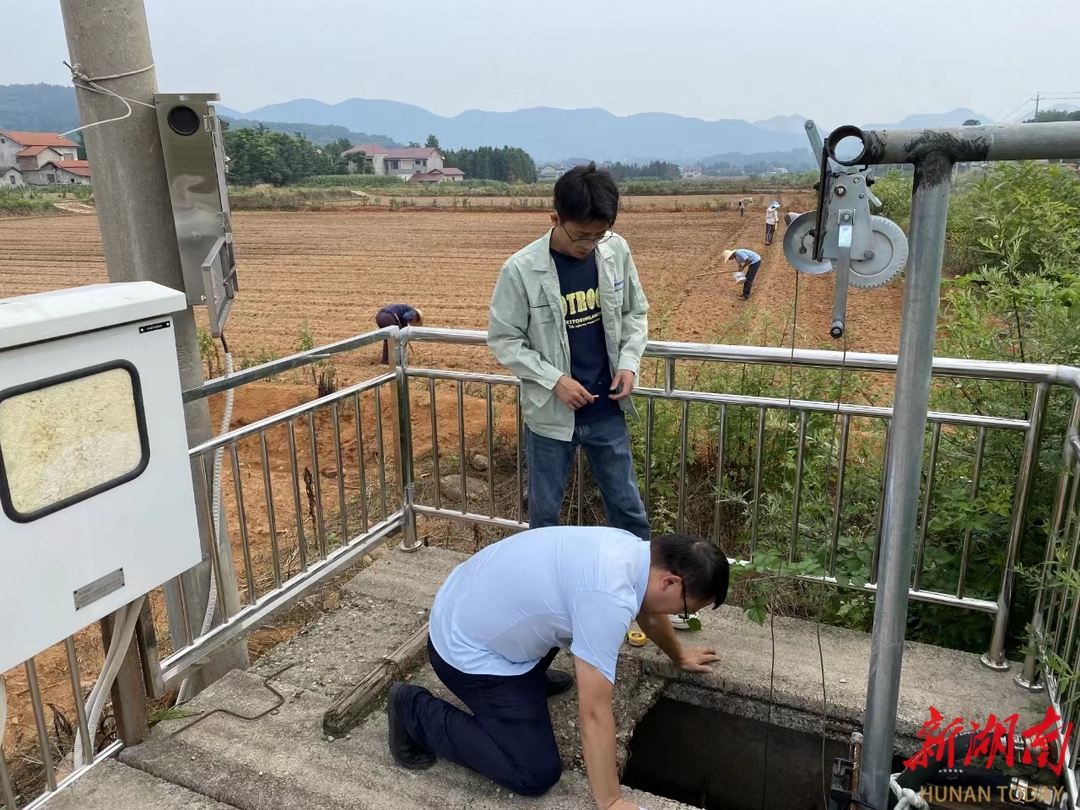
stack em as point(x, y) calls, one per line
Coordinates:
point(586, 241)
point(685, 607)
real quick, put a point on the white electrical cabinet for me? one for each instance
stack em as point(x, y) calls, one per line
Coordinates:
point(95, 483)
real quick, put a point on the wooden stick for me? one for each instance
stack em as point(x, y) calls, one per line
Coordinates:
point(349, 709)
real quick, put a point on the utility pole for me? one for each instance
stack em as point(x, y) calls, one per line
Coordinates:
point(1037, 95)
point(134, 211)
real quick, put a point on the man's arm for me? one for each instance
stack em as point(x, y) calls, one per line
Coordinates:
point(659, 631)
point(508, 319)
point(598, 736)
point(635, 321)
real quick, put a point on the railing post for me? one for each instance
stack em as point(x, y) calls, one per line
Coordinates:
point(1029, 466)
point(403, 444)
point(1028, 678)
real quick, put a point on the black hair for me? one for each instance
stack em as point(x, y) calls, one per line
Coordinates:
point(701, 565)
point(587, 194)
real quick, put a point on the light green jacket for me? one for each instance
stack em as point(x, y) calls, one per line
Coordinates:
point(527, 329)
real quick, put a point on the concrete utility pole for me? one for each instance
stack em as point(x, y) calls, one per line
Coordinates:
point(105, 38)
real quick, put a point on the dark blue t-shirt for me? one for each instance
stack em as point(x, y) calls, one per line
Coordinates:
point(579, 283)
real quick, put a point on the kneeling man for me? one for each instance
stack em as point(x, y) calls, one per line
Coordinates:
point(501, 617)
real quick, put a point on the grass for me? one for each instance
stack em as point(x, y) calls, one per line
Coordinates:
point(24, 201)
point(285, 199)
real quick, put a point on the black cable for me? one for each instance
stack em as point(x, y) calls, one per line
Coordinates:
point(224, 343)
point(780, 566)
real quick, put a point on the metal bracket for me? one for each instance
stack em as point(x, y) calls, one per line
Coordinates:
point(846, 220)
point(219, 282)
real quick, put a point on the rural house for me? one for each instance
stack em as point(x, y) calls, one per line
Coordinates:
point(446, 175)
point(550, 171)
point(40, 159)
point(403, 163)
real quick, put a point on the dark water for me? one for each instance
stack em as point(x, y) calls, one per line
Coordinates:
point(706, 758)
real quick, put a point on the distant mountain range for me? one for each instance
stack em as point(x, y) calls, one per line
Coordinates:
point(546, 133)
point(550, 134)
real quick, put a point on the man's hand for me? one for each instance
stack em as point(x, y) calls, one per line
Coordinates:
point(697, 659)
point(625, 378)
point(572, 393)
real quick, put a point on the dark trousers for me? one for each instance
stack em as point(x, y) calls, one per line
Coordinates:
point(770, 229)
point(508, 737)
point(751, 272)
point(606, 443)
point(383, 320)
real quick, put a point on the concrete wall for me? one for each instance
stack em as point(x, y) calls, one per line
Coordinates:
point(10, 179)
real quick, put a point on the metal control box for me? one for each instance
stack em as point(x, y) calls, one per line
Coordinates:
point(194, 154)
point(95, 484)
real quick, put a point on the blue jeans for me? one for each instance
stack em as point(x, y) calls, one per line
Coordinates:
point(607, 446)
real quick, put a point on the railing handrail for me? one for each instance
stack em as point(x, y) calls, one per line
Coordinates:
point(812, 358)
point(672, 350)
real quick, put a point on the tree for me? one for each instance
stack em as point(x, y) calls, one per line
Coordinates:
point(432, 142)
point(507, 164)
point(972, 122)
point(273, 157)
point(413, 145)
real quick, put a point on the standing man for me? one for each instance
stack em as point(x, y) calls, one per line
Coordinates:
point(492, 640)
point(772, 216)
point(749, 263)
point(568, 317)
point(399, 315)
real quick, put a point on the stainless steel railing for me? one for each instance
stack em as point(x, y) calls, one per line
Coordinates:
point(310, 490)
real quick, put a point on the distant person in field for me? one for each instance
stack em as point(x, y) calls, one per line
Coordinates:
point(749, 263)
point(399, 315)
point(772, 216)
point(742, 208)
point(568, 317)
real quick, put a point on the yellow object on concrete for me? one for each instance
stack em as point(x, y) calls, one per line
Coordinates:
point(636, 638)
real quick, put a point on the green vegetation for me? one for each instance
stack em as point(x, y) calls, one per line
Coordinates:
point(657, 170)
point(24, 201)
point(320, 134)
point(38, 107)
point(260, 156)
point(1016, 236)
point(508, 164)
point(286, 199)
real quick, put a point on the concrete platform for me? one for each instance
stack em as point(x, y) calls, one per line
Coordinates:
point(260, 743)
point(113, 786)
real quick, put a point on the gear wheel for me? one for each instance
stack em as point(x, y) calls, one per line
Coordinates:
point(890, 248)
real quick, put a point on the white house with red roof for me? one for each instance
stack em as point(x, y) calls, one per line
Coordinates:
point(423, 164)
point(40, 159)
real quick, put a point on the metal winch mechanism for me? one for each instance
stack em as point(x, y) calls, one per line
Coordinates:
point(864, 249)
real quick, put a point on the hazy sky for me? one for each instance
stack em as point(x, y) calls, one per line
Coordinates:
point(857, 61)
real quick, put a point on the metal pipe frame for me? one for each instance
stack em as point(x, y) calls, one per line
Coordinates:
point(934, 153)
point(176, 666)
point(929, 213)
point(1045, 141)
point(227, 382)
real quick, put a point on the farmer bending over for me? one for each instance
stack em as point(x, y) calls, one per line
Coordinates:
point(749, 263)
point(399, 315)
point(498, 622)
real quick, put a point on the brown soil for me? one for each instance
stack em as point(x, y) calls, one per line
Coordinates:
point(332, 270)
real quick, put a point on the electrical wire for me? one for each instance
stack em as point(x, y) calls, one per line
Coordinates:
point(215, 518)
point(91, 84)
point(124, 621)
point(780, 565)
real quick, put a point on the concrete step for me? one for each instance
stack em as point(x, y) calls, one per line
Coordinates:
point(114, 786)
point(281, 759)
